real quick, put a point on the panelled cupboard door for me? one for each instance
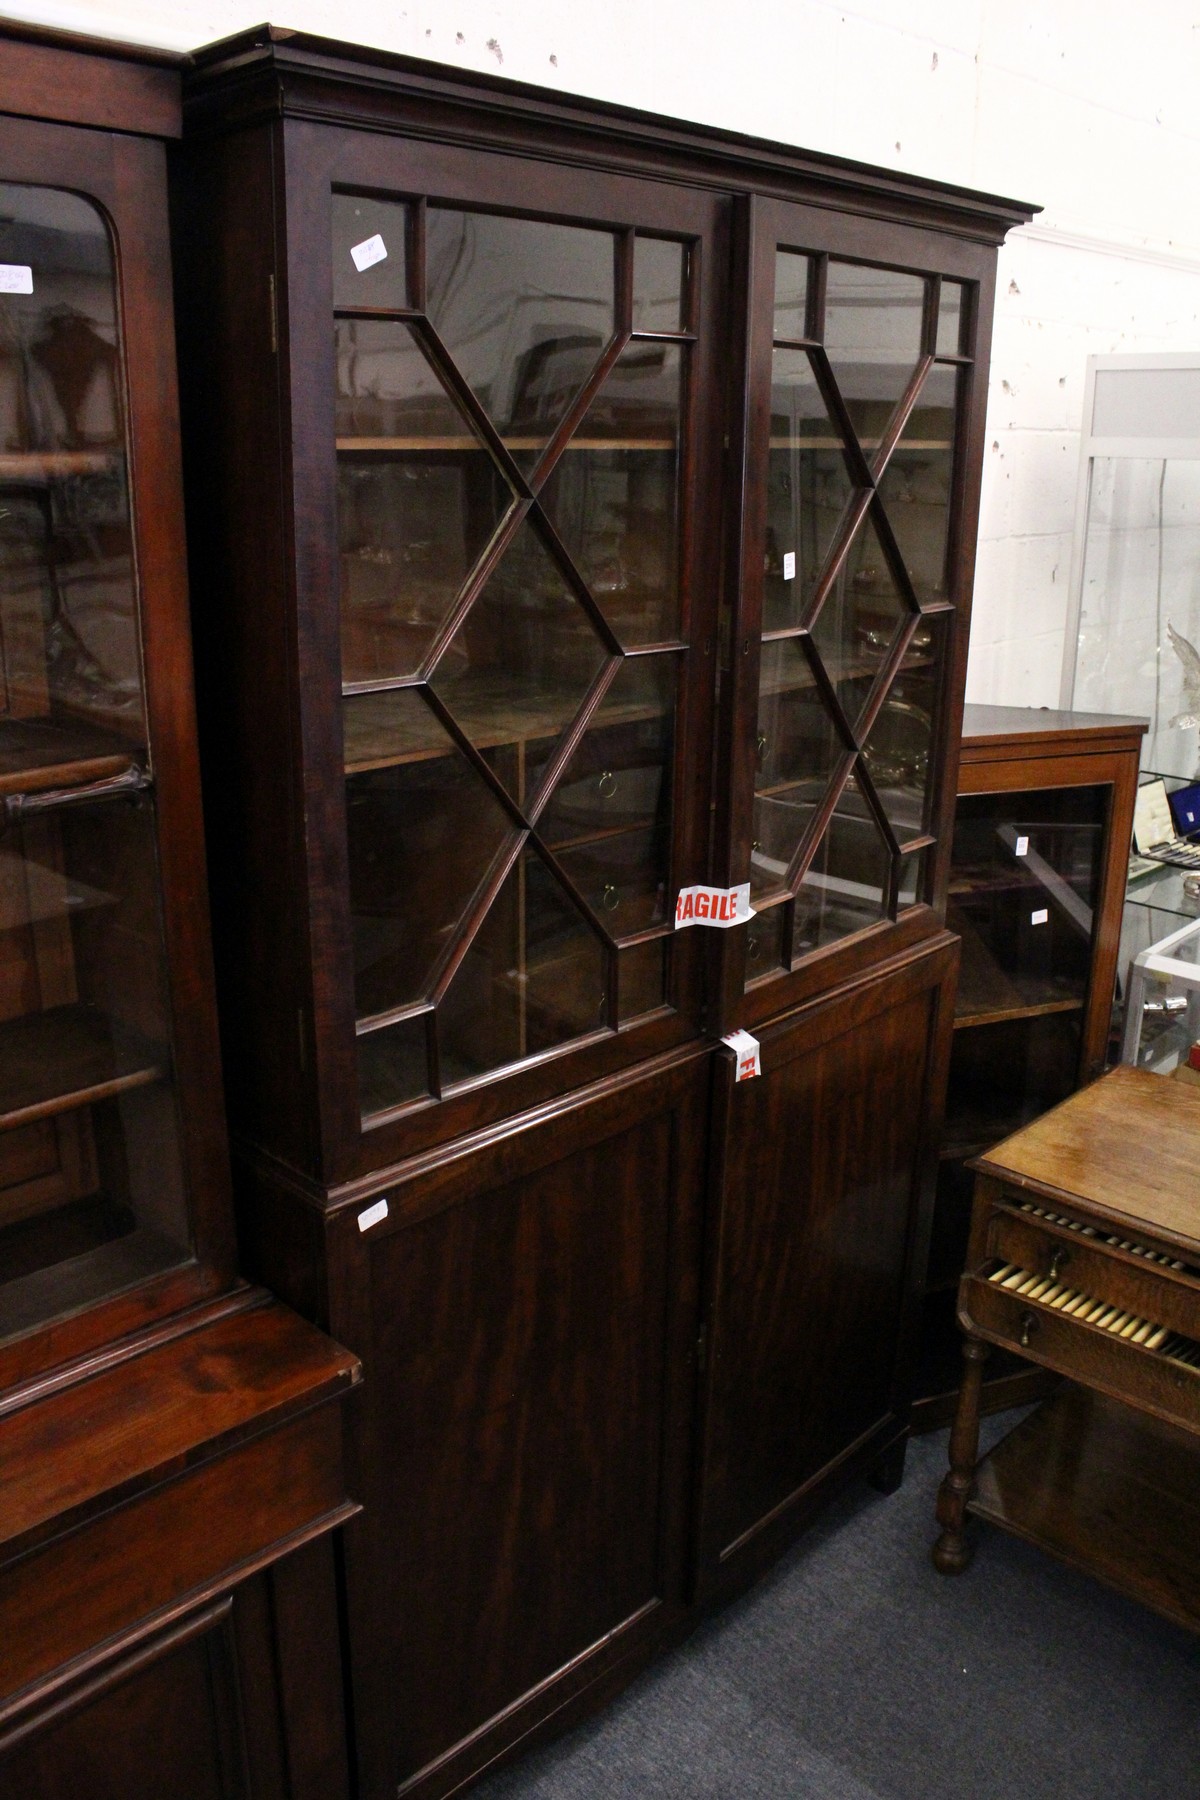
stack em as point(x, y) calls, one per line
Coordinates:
point(502, 403)
point(862, 427)
point(821, 1196)
point(527, 1311)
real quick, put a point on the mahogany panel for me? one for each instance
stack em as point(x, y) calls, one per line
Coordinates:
point(821, 1175)
point(57, 75)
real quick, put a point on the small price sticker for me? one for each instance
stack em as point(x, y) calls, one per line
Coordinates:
point(748, 1053)
point(372, 250)
point(16, 278)
point(372, 1215)
point(1040, 917)
point(721, 907)
point(789, 565)
point(1021, 848)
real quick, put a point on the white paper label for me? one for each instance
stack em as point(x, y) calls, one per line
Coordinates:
point(721, 907)
point(1040, 916)
point(1021, 848)
point(746, 1049)
point(372, 1215)
point(15, 278)
point(368, 253)
point(789, 565)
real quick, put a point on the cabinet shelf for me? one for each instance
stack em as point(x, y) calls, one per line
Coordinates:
point(39, 754)
point(53, 1062)
point(37, 468)
point(834, 443)
point(988, 993)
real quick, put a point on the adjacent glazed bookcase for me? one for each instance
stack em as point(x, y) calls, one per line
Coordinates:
point(584, 509)
point(1037, 883)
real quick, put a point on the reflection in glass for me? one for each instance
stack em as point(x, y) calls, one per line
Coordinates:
point(525, 309)
point(912, 879)
point(392, 1065)
point(423, 832)
point(659, 273)
point(91, 1181)
point(612, 495)
point(873, 337)
point(518, 668)
point(764, 942)
point(798, 751)
point(619, 775)
point(533, 978)
point(388, 389)
point(622, 878)
point(858, 621)
point(898, 750)
point(641, 978)
point(791, 295)
point(915, 486)
point(356, 220)
point(845, 887)
point(951, 319)
point(808, 486)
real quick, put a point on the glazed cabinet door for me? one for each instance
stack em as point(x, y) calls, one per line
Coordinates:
point(112, 1174)
point(502, 406)
point(864, 412)
point(527, 1311)
point(821, 1195)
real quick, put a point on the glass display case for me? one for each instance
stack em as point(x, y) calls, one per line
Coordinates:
point(1041, 839)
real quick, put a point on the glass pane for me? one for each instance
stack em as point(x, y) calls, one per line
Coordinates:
point(798, 752)
point(898, 749)
point(659, 274)
point(1025, 879)
point(520, 664)
point(873, 326)
point(623, 878)
point(423, 832)
point(69, 645)
point(791, 295)
point(912, 879)
point(845, 886)
point(915, 486)
point(951, 319)
point(808, 486)
point(392, 1066)
point(613, 494)
point(525, 309)
point(369, 260)
point(533, 978)
point(859, 619)
point(641, 978)
point(91, 1182)
point(764, 942)
point(619, 776)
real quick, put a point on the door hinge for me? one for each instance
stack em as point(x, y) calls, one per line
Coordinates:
point(272, 314)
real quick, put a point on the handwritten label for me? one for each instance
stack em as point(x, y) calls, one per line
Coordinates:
point(746, 1049)
point(1021, 847)
point(368, 253)
point(371, 1215)
point(1040, 916)
point(721, 907)
point(789, 565)
point(15, 278)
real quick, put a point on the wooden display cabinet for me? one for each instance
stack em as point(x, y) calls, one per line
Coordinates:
point(1037, 883)
point(170, 1438)
point(584, 507)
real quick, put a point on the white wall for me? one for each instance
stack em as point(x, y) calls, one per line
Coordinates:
point(1091, 107)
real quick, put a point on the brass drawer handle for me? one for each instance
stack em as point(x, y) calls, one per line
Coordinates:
point(612, 898)
point(607, 784)
point(1028, 1327)
point(1061, 1256)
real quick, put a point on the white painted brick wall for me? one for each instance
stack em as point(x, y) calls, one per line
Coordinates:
point(1090, 109)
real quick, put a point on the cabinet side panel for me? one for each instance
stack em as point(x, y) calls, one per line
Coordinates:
point(224, 222)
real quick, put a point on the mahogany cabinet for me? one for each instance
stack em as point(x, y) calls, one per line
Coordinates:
point(1037, 884)
point(582, 508)
point(171, 1454)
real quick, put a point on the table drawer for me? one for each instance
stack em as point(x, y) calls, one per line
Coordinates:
point(1150, 1378)
point(1142, 1281)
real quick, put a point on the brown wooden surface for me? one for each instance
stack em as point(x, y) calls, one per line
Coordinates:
point(1032, 730)
point(1126, 1149)
point(57, 75)
point(67, 1057)
point(1106, 1490)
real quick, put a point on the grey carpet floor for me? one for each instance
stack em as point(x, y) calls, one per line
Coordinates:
point(855, 1672)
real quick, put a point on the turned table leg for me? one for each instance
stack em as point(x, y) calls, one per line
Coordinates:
point(952, 1552)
